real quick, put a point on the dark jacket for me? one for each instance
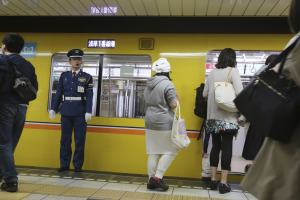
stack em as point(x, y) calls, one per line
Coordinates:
point(7, 95)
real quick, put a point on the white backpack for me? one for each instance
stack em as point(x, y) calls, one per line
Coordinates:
point(225, 94)
point(179, 135)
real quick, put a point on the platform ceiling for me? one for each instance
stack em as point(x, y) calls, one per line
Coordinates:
point(144, 8)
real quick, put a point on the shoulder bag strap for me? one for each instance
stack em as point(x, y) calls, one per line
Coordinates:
point(11, 67)
point(281, 57)
point(228, 76)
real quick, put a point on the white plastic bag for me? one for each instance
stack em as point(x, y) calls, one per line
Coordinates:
point(225, 94)
point(179, 136)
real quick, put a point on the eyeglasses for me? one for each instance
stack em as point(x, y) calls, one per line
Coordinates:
point(79, 59)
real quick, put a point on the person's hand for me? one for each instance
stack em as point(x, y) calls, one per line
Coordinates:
point(88, 117)
point(178, 98)
point(240, 121)
point(52, 114)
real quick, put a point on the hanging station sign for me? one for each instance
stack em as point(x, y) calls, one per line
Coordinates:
point(101, 43)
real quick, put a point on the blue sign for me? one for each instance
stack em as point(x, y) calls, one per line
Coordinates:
point(29, 50)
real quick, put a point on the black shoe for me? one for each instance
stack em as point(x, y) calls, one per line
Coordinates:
point(159, 184)
point(151, 186)
point(213, 185)
point(1, 178)
point(77, 170)
point(63, 169)
point(223, 188)
point(206, 179)
point(10, 187)
point(247, 168)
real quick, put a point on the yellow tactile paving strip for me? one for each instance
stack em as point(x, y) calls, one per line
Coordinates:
point(80, 192)
point(12, 196)
point(108, 194)
point(166, 197)
point(26, 189)
point(53, 190)
point(137, 196)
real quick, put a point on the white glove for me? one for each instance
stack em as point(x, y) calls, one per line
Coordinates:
point(52, 114)
point(88, 117)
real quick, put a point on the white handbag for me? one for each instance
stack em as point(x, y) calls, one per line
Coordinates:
point(225, 94)
point(179, 135)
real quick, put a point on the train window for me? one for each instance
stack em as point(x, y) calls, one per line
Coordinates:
point(116, 94)
point(248, 63)
point(122, 94)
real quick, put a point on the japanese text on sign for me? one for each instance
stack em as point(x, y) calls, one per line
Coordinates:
point(101, 43)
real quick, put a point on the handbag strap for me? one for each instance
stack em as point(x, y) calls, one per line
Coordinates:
point(228, 76)
point(281, 57)
point(178, 107)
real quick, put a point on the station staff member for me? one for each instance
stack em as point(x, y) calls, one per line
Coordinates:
point(75, 91)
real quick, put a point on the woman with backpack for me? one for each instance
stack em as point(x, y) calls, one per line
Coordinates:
point(161, 98)
point(221, 124)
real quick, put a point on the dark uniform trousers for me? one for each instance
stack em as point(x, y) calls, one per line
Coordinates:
point(73, 115)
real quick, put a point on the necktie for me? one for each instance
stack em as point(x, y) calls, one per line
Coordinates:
point(74, 74)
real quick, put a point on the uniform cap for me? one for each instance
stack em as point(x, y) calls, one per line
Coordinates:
point(161, 65)
point(75, 53)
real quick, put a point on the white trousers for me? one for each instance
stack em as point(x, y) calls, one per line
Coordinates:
point(156, 168)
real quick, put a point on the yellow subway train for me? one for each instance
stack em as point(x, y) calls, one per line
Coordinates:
point(115, 140)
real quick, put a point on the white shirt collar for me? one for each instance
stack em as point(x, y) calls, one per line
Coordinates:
point(75, 71)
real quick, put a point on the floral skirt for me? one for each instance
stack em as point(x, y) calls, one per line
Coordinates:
point(214, 126)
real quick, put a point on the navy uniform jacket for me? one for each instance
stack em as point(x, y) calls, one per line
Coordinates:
point(7, 94)
point(68, 87)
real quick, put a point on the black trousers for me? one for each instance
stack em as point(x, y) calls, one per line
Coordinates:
point(221, 141)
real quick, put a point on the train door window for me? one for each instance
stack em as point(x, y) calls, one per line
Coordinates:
point(60, 63)
point(248, 63)
point(124, 79)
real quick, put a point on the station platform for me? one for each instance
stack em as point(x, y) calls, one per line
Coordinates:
point(48, 184)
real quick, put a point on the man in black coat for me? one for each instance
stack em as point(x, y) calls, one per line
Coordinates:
point(12, 108)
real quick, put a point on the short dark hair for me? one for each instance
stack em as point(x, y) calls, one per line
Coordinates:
point(270, 58)
point(294, 16)
point(14, 42)
point(164, 74)
point(227, 58)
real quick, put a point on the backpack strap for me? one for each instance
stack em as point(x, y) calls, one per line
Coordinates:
point(11, 67)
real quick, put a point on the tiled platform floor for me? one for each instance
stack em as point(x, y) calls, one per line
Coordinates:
point(47, 184)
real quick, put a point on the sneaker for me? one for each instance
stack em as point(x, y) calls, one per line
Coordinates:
point(151, 186)
point(159, 184)
point(10, 187)
point(223, 188)
point(213, 185)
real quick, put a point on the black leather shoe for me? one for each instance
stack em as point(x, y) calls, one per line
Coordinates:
point(206, 179)
point(223, 188)
point(63, 169)
point(10, 187)
point(213, 185)
point(159, 184)
point(247, 168)
point(78, 170)
point(151, 186)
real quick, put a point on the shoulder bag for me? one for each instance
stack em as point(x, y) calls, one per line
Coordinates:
point(271, 102)
point(225, 94)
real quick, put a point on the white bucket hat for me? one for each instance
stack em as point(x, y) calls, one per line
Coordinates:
point(161, 65)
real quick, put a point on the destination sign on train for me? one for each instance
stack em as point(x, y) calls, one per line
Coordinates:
point(101, 43)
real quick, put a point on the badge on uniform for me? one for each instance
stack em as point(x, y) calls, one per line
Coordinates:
point(80, 89)
point(81, 79)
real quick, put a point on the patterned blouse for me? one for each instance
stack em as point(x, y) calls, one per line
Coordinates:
point(213, 126)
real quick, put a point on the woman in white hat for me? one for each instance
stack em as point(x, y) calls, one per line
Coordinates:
point(161, 98)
